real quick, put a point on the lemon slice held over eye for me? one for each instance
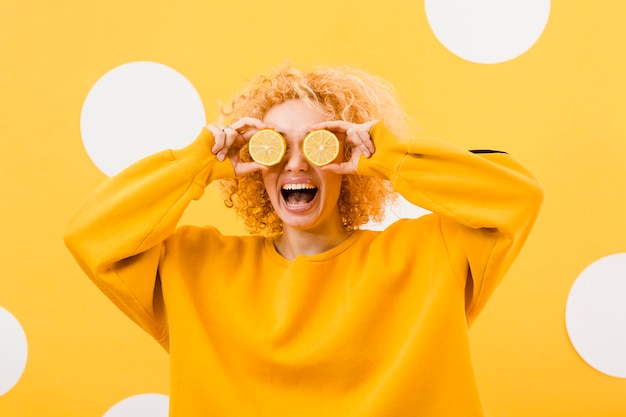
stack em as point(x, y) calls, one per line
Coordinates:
point(267, 147)
point(321, 147)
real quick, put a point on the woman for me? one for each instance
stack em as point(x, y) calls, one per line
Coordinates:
point(310, 315)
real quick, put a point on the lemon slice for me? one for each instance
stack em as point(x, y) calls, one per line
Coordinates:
point(321, 147)
point(267, 147)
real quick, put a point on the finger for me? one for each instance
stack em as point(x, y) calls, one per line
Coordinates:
point(333, 125)
point(339, 168)
point(366, 144)
point(245, 124)
point(231, 136)
point(346, 167)
point(219, 136)
point(244, 168)
point(356, 138)
point(223, 137)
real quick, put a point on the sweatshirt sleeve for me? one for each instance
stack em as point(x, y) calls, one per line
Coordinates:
point(488, 203)
point(117, 233)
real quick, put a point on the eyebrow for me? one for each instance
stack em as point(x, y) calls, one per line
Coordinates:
point(284, 134)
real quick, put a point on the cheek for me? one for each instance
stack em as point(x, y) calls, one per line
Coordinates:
point(333, 185)
point(269, 180)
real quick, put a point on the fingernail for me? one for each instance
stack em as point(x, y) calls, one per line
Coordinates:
point(220, 157)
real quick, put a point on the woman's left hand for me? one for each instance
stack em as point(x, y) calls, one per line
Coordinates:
point(357, 136)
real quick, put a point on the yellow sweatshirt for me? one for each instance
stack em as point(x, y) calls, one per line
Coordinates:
point(377, 326)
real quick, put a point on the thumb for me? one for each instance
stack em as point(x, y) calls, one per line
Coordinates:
point(347, 167)
point(245, 168)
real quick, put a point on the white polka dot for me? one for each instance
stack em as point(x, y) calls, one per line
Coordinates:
point(487, 31)
point(13, 351)
point(143, 405)
point(401, 210)
point(138, 109)
point(596, 315)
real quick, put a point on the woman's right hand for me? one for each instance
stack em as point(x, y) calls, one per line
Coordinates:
point(230, 139)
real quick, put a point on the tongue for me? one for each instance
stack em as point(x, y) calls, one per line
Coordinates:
point(300, 197)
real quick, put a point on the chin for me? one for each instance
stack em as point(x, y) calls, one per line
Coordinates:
point(298, 220)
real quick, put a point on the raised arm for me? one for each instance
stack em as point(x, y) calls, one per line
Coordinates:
point(479, 189)
point(117, 232)
point(488, 203)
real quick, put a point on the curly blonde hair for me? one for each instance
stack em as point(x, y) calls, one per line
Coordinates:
point(344, 93)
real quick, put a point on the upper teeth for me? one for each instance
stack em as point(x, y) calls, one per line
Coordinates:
point(291, 187)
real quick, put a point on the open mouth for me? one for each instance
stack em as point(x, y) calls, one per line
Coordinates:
point(298, 195)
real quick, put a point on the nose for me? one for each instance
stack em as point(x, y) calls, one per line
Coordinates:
point(295, 160)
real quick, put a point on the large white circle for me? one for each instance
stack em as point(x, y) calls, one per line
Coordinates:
point(138, 109)
point(403, 209)
point(143, 405)
point(13, 351)
point(487, 31)
point(596, 315)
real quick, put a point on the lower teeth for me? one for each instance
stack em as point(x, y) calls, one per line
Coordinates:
point(297, 203)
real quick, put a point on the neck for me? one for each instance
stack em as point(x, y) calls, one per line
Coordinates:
point(294, 242)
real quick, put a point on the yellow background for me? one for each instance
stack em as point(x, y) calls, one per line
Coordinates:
point(559, 108)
